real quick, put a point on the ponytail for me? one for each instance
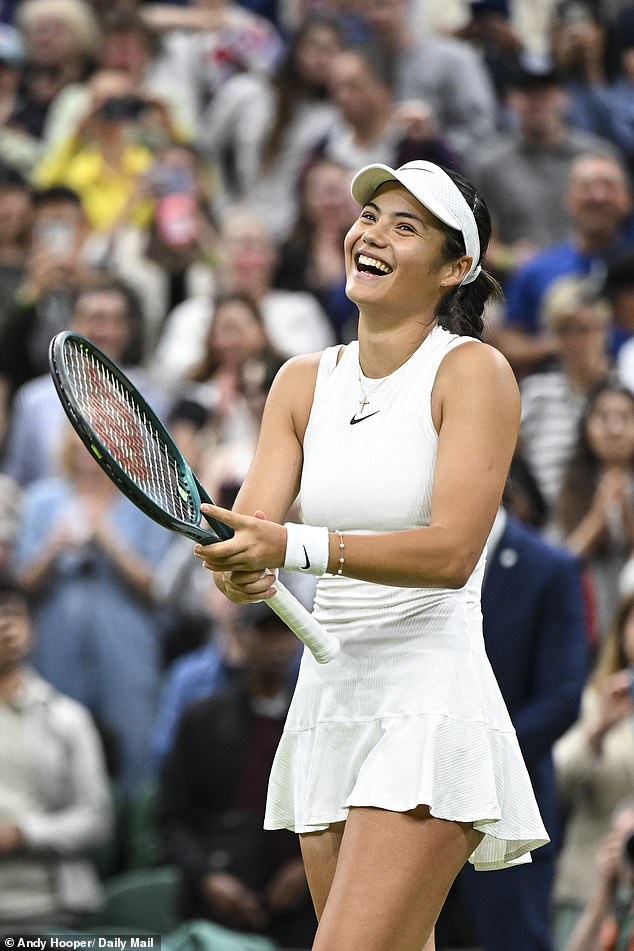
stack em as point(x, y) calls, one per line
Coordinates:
point(461, 309)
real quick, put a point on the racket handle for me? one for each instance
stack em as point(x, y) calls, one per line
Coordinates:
point(322, 645)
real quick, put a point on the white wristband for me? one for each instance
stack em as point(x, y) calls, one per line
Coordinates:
point(306, 548)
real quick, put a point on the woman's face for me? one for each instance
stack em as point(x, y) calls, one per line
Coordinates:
point(327, 195)
point(610, 429)
point(51, 40)
point(393, 255)
point(581, 336)
point(236, 334)
point(315, 53)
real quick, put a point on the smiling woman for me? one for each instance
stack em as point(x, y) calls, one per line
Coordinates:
point(398, 761)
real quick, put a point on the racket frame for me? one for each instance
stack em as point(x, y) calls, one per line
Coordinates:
point(187, 479)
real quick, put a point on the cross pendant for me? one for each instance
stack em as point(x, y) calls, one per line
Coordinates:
point(363, 403)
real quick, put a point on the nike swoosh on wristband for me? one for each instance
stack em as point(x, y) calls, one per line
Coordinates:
point(354, 419)
point(307, 565)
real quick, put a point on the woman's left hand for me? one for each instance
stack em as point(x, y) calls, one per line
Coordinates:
point(257, 543)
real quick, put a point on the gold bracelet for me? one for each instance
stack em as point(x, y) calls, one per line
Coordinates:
point(342, 551)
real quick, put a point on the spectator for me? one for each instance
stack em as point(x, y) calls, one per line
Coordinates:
point(17, 148)
point(490, 29)
point(60, 39)
point(441, 71)
point(579, 51)
point(11, 60)
point(130, 46)
point(523, 498)
point(43, 302)
point(16, 210)
point(10, 514)
point(261, 132)
point(236, 337)
point(553, 401)
point(106, 313)
point(85, 556)
point(370, 126)
point(209, 41)
point(54, 795)
point(213, 790)
point(202, 672)
point(599, 205)
point(615, 105)
point(170, 256)
point(106, 153)
point(247, 258)
point(607, 922)
point(595, 512)
point(595, 771)
point(618, 289)
point(524, 173)
point(310, 260)
point(533, 589)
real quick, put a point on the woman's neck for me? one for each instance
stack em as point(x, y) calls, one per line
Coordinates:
point(382, 350)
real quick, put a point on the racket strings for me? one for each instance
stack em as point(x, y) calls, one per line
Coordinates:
point(127, 434)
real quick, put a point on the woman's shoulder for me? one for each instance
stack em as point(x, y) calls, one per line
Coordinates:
point(296, 381)
point(474, 359)
point(299, 373)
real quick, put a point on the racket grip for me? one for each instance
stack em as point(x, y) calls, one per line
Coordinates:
point(322, 645)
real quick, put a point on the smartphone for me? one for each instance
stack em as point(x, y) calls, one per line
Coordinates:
point(56, 235)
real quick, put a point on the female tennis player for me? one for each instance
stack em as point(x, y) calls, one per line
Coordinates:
point(398, 761)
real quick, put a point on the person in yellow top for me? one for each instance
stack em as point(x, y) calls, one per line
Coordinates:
point(110, 149)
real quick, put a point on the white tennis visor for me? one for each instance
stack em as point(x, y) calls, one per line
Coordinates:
point(433, 188)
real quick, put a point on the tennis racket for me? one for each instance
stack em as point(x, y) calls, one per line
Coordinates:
point(136, 451)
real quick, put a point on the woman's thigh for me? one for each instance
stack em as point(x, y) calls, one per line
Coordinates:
point(320, 851)
point(379, 884)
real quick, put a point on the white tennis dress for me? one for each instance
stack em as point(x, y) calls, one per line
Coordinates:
point(409, 712)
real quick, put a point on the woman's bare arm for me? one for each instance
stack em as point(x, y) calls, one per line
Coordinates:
point(475, 406)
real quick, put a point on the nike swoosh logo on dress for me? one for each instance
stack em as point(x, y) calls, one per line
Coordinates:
point(354, 419)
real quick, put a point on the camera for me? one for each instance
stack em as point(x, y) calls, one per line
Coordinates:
point(119, 108)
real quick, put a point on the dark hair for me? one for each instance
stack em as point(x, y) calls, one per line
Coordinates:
point(612, 656)
point(103, 282)
point(290, 87)
point(619, 275)
point(522, 495)
point(461, 309)
point(208, 364)
point(55, 194)
point(11, 177)
point(582, 472)
point(10, 590)
point(129, 21)
point(376, 61)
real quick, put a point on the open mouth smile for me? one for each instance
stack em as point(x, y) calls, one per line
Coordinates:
point(366, 264)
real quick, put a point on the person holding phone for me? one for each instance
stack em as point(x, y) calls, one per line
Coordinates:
point(595, 769)
point(110, 148)
point(398, 762)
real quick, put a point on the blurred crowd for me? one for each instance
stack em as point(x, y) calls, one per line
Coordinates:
point(174, 185)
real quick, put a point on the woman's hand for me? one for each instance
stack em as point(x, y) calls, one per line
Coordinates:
point(245, 587)
point(242, 564)
point(615, 704)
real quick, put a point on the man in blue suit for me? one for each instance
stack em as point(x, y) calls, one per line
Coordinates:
point(535, 632)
